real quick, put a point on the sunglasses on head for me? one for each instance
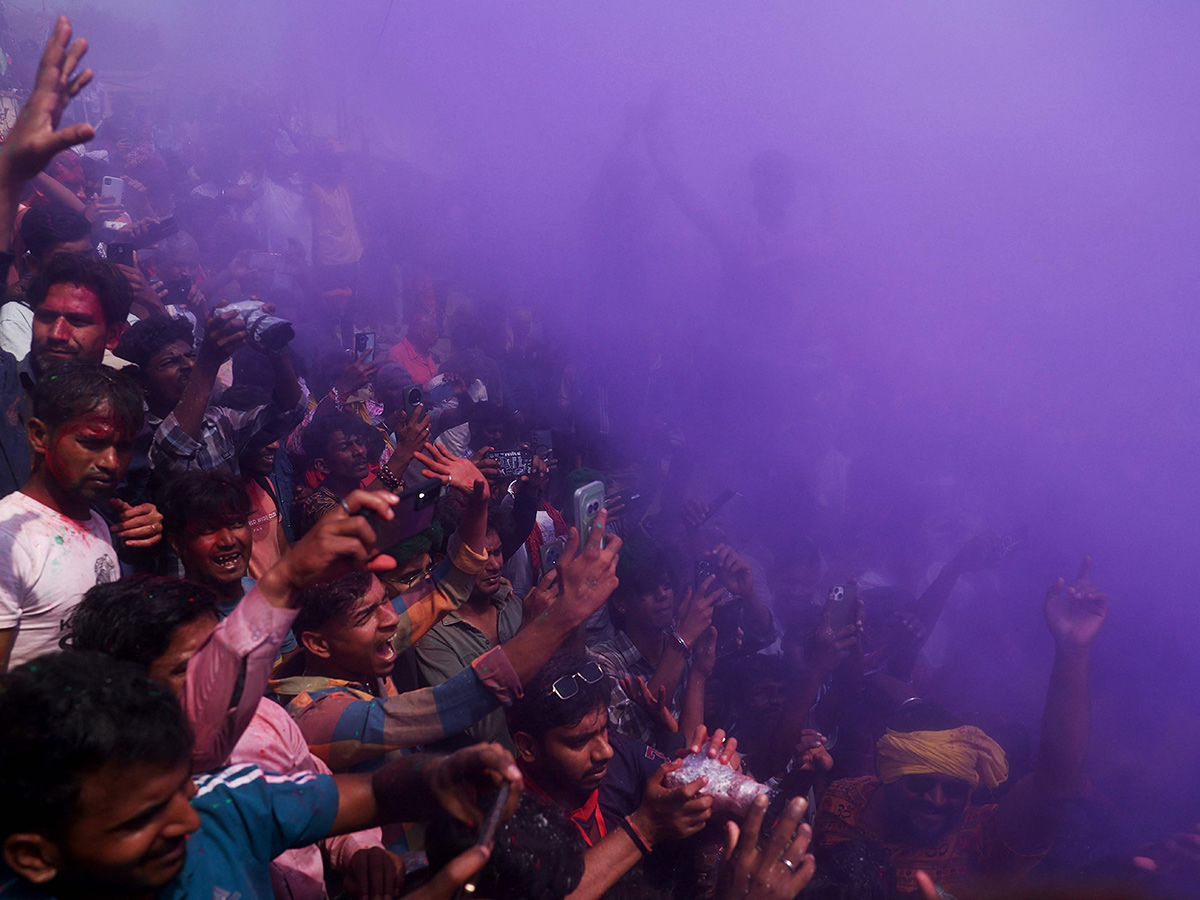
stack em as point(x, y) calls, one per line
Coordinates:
point(953, 788)
point(567, 687)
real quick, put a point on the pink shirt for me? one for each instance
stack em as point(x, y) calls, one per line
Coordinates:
point(244, 645)
point(421, 366)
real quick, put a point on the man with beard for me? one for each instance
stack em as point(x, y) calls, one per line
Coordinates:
point(489, 617)
point(55, 546)
point(611, 787)
point(923, 806)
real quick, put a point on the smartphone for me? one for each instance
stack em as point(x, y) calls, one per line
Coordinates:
point(157, 231)
point(120, 254)
point(550, 552)
point(706, 568)
point(588, 502)
point(543, 442)
point(413, 395)
point(842, 605)
point(414, 513)
point(177, 291)
point(721, 499)
point(727, 619)
point(513, 463)
point(113, 186)
point(266, 262)
point(364, 342)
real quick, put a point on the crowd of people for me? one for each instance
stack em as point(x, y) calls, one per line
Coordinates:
point(321, 582)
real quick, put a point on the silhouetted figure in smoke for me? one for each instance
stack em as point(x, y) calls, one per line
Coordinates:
point(760, 263)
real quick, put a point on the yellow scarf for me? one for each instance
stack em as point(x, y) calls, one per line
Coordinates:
point(965, 753)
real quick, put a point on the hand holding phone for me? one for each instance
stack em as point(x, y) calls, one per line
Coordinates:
point(842, 605)
point(364, 342)
point(587, 502)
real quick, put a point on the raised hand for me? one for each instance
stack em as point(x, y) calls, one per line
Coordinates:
point(811, 754)
point(488, 466)
point(696, 610)
point(454, 471)
point(781, 870)
point(340, 542)
point(35, 137)
point(588, 577)
point(825, 649)
point(412, 431)
point(224, 333)
point(1076, 614)
point(538, 479)
point(735, 575)
point(656, 707)
point(356, 375)
point(460, 779)
point(541, 596)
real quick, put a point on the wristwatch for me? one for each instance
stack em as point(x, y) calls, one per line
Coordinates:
point(673, 635)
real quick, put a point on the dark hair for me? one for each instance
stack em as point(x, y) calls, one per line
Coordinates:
point(537, 854)
point(50, 224)
point(135, 618)
point(76, 388)
point(538, 710)
point(202, 497)
point(97, 275)
point(642, 566)
point(316, 436)
point(322, 603)
point(148, 336)
point(489, 413)
point(922, 715)
point(68, 715)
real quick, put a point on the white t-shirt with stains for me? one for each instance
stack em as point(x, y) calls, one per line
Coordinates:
point(47, 563)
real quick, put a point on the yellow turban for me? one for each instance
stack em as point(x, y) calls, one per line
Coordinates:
point(965, 753)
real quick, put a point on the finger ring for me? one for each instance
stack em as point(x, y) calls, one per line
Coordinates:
point(344, 505)
point(791, 866)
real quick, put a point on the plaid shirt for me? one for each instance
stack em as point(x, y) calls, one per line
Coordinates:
point(618, 658)
point(352, 728)
point(224, 434)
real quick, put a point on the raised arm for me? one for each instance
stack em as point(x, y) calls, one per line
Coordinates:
point(1031, 811)
point(35, 137)
point(224, 332)
point(228, 674)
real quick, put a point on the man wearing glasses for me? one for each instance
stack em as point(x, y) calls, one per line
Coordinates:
point(610, 786)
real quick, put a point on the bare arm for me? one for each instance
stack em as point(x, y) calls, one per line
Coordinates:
point(666, 814)
point(704, 658)
point(585, 581)
point(287, 385)
point(1031, 811)
point(415, 787)
point(8, 637)
point(224, 332)
point(36, 138)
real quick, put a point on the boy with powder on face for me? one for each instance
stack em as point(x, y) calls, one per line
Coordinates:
point(84, 419)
